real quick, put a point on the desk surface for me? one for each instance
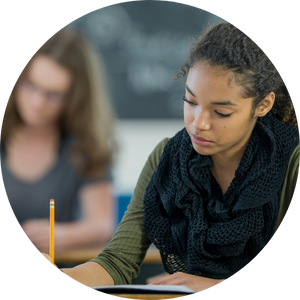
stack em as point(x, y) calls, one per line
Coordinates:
point(82, 255)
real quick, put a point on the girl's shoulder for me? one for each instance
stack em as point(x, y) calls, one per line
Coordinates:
point(293, 168)
point(289, 184)
point(294, 159)
point(156, 154)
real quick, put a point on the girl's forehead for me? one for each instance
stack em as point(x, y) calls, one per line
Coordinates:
point(214, 70)
point(213, 84)
point(204, 74)
point(45, 72)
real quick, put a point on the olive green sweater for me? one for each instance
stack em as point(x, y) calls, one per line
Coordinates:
point(127, 249)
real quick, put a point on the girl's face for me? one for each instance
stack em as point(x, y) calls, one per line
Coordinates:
point(40, 96)
point(218, 119)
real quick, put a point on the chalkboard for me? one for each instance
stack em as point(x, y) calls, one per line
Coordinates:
point(143, 45)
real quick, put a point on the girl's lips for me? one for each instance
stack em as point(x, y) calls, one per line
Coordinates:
point(200, 141)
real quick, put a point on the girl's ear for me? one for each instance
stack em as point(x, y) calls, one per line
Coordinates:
point(265, 105)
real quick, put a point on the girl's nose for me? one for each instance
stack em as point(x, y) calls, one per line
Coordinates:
point(38, 98)
point(201, 119)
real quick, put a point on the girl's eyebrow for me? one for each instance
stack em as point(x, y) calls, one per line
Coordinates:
point(225, 102)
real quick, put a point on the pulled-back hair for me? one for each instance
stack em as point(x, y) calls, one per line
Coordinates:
point(225, 46)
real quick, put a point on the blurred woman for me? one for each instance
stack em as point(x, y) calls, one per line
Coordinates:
point(57, 142)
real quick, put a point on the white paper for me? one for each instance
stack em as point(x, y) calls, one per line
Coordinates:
point(144, 288)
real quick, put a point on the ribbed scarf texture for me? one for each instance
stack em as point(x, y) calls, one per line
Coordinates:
point(196, 228)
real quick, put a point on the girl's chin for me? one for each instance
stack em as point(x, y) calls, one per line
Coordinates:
point(203, 150)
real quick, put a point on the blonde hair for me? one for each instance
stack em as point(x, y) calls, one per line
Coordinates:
point(88, 116)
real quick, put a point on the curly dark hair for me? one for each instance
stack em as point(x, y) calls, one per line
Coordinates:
point(226, 46)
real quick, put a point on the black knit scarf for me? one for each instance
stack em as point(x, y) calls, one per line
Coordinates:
point(196, 228)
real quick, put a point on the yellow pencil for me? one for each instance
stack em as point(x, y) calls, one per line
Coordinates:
point(51, 251)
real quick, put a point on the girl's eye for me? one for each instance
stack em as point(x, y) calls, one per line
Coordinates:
point(219, 114)
point(53, 95)
point(188, 101)
point(222, 115)
point(28, 85)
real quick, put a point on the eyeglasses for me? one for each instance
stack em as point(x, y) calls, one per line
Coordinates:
point(51, 96)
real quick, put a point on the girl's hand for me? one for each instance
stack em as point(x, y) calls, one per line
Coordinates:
point(38, 231)
point(193, 282)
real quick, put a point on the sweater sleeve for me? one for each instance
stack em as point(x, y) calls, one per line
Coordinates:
point(289, 184)
point(127, 249)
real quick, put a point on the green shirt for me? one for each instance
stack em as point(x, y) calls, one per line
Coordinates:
point(127, 249)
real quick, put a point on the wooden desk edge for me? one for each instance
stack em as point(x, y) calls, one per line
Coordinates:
point(81, 256)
